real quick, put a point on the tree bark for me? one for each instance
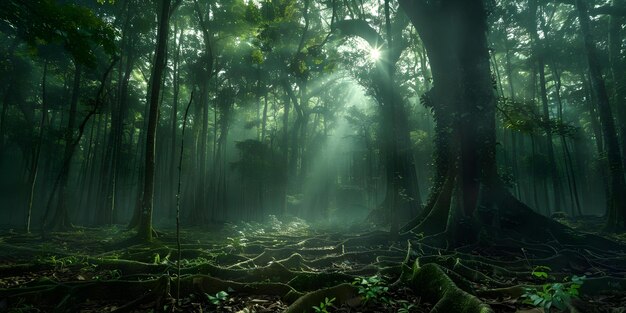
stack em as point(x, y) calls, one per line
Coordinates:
point(144, 231)
point(617, 185)
point(618, 72)
point(467, 186)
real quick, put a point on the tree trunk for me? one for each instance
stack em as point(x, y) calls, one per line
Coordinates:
point(402, 199)
point(539, 51)
point(617, 186)
point(174, 117)
point(618, 71)
point(144, 231)
point(467, 185)
point(601, 168)
point(200, 209)
point(34, 168)
point(285, 159)
point(567, 157)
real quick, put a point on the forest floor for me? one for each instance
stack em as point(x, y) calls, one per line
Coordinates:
point(289, 266)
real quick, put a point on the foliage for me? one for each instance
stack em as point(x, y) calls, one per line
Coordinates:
point(557, 295)
point(372, 288)
point(58, 263)
point(219, 298)
point(406, 306)
point(526, 118)
point(285, 225)
point(237, 243)
point(254, 162)
point(540, 272)
point(323, 307)
point(45, 22)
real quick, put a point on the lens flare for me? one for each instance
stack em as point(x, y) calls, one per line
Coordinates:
point(374, 54)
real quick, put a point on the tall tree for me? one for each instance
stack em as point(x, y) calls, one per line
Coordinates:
point(144, 229)
point(469, 196)
point(617, 185)
point(539, 53)
point(618, 71)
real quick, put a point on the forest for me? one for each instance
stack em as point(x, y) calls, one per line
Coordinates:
point(313, 156)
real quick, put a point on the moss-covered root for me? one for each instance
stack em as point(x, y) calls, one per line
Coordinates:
point(433, 285)
point(344, 293)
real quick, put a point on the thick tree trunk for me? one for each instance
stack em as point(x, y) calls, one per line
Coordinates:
point(617, 185)
point(469, 190)
point(144, 231)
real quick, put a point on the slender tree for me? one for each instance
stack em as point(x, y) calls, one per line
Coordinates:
point(144, 230)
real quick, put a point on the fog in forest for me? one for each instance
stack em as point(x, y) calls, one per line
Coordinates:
point(239, 134)
point(239, 150)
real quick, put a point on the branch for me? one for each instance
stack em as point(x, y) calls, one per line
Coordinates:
point(362, 29)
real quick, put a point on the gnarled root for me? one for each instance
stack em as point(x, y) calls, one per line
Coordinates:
point(343, 294)
point(433, 285)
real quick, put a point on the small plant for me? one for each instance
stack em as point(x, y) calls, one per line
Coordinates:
point(372, 289)
point(541, 272)
point(218, 299)
point(324, 305)
point(108, 275)
point(556, 295)
point(156, 259)
point(58, 263)
point(237, 243)
point(406, 306)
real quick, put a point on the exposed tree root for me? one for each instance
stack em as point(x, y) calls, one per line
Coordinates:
point(343, 294)
point(136, 292)
point(315, 281)
point(430, 282)
point(453, 279)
